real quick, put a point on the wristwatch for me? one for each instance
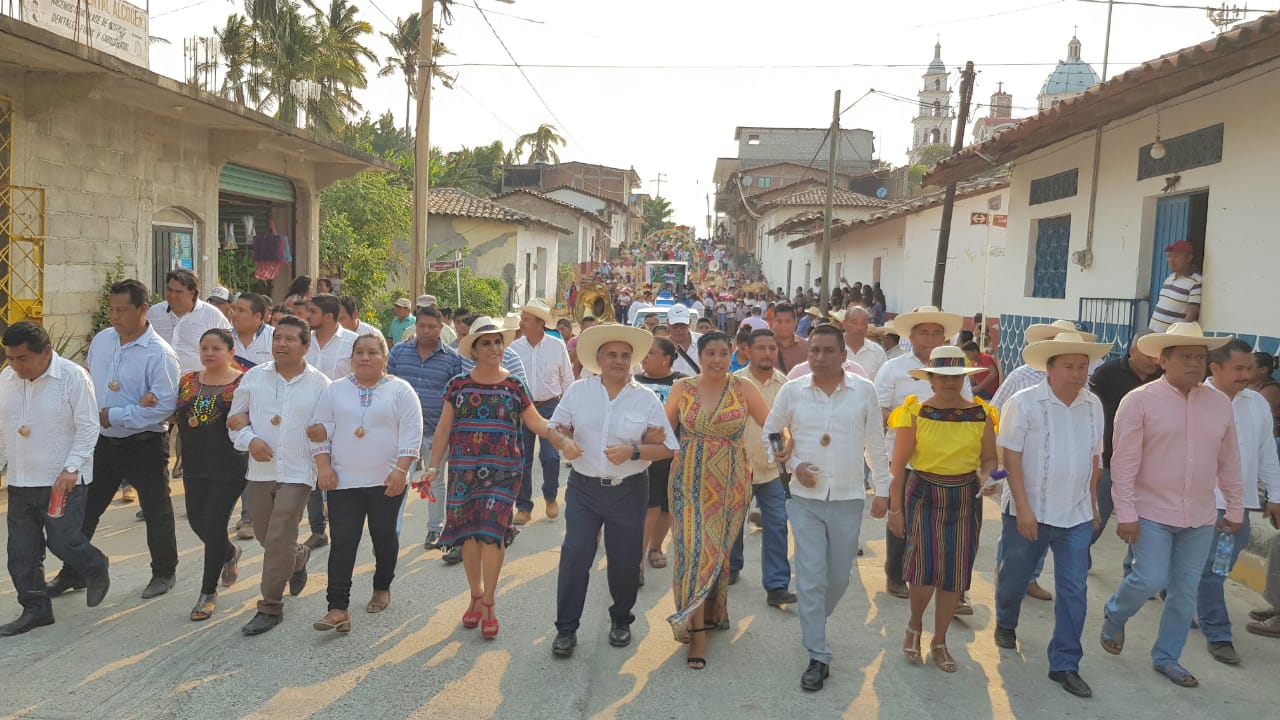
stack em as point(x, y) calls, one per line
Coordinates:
point(73, 469)
point(635, 451)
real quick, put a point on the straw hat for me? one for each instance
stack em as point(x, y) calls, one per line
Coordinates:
point(597, 336)
point(815, 312)
point(1178, 335)
point(511, 321)
point(837, 316)
point(945, 360)
point(484, 325)
point(538, 308)
point(950, 322)
point(1037, 354)
point(1048, 331)
point(876, 331)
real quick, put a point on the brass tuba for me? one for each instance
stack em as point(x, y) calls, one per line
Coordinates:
point(594, 300)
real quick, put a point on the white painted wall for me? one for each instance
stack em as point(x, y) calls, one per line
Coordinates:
point(774, 251)
point(857, 253)
point(529, 239)
point(963, 289)
point(618, 224)
point(1241, 250)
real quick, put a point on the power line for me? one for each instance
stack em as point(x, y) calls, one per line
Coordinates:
point(956, 21)
point(496, 12)
point(845, 66)
point(180, 9)
point(1137, 3)
point(525, 75)
point(502, 122)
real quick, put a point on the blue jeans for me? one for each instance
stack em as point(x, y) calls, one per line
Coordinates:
point(775, 571)
point(1043, 552)
point(31, 531)
point(549, 458)
point(1106, 506)
point(1021, 558)
point(1164, 558)
point(1211, 607)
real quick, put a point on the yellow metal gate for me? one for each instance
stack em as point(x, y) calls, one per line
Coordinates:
point(21, 236)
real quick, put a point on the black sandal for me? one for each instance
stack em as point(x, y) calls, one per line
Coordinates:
point(696, 663)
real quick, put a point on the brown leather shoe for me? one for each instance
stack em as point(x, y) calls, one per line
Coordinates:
point(897, 589)
point(1268, 628)
point(553, 509)
point(379, 602)
point(521, 518)
point(1034, 590)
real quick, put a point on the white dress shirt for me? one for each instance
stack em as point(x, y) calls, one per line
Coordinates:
point(1061, 446)
point(392, 425)
point(1259, 464)
point(334, 359)
point(850, 417)
point(547, 368)
point(265, 395)
point(145, 365)
point(894, 386)
point(61, 416)
point(364, 328)
point(681, 365)
point(870, 356)
point(183, 333)
point(259, 349)
point(599, 423)
point(850, 366)
point(1023, 377)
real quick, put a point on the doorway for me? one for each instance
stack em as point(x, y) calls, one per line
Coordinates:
point(1181, 217)
point(541, 264)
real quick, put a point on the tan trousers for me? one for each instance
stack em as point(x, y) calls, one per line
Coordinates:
point(276, 509)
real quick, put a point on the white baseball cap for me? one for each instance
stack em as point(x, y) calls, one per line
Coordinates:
point(678, 315)
point(220, 295)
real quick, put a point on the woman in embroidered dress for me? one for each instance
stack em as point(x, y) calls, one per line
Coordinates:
point(710, 488)
point(215, 474)
point(366, 431)
point(479, 428)
point(943, 445)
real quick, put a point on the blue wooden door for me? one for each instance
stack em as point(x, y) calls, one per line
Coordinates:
point(1172, 215)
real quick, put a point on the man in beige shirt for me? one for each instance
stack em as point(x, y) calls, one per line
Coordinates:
point(766, 483)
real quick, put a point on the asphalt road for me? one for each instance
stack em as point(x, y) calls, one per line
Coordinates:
point(131, 658)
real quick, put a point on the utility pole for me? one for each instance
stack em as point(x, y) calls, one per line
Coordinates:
point(949, 199)
point(834, 138)
point(658, 179)
point(422, 152)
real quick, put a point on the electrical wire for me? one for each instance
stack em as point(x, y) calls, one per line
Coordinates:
point(845, 66)
point(957, 21)
point(496, 12)
point(180, 9)
point(1137, 3)
point(502, 122)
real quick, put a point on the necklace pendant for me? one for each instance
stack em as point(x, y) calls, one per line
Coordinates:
point(113, 386)
point(275, 420)
point(826, 440)
point(193, 421)
point(360, 431)
point(24, 431)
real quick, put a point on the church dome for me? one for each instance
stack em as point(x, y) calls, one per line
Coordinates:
point(1071, 76)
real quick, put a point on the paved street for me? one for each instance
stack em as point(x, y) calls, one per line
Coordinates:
point(131, 658)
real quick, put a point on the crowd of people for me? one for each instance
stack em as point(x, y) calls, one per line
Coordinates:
point(670, 430)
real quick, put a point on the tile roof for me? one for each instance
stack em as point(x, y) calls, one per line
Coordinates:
point(458, 203)
point(1135, 90)
point(818, 196)
point(570, 206)
point(908, 207)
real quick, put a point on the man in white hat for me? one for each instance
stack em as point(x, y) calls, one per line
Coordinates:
point(1051, 436)
point(621, 427)
point(811, 316)
point(1175, 442)
point(548, 374)
point(220, 298)
point(678, 318)
point(403, 319)
point(1231, 367)
point(1020, 378)
point(927, 327)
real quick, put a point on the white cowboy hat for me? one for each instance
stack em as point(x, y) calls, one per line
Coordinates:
point(538, 308)
point(1048, 331)
point(1178, 335)
point(597, 336)
point(511, 321)
point(1038, 353)
point(484, 325)
point(837, 316)
point(815, 312)
point(950, 322)
point(945, 360)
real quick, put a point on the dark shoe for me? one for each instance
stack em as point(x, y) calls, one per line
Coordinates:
point(26, 622)
point(1071, 681)
point(897, 588)
point(859, 551)
point(97, 587)
point(780, 597)
point(733, 577)
point(814, 675)
point(755, 518)
point(297, 582)
point(261, 623)
point(139, 516)
point(1266, 628)
point(1225, 653)
point(619, 635)
point(432, 542)
point(565, 642)
point(316, 541)
point(157, 587)
point(1264, 614)
point(64, 583)
point(453, 556)
point(1007, 638)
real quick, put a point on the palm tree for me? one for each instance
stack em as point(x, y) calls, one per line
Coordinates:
point(339, 65)
point(541, 143)
point(404, 58)
point(235, 45)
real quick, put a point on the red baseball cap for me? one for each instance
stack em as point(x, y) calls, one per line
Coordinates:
point(1182, 246)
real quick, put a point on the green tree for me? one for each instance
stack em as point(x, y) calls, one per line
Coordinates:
point(541, 143)
point(339, 64)
point(361, 221)
point(236, 47)
point(403, 59)
point(930, 154)
point(480, 295)
point(476, 170)
point(657, 211)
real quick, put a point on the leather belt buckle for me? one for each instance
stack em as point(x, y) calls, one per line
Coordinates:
point(611, 482)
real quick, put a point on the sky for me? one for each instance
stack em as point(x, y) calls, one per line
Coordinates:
point(660, 86)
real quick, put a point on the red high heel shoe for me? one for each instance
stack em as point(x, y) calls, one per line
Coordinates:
point(489, 628)
point(471, 618)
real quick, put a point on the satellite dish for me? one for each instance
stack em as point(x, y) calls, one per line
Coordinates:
point(746, 180)
point(882, 192)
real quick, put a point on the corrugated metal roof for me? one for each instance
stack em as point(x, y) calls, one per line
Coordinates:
point(1137, 89)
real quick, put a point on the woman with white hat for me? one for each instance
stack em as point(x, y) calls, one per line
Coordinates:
point(479, 428)
point(946, 441)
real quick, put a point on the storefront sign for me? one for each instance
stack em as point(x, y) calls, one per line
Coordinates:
point(113, 26)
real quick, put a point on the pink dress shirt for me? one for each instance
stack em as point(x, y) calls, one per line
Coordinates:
point(1171, 451)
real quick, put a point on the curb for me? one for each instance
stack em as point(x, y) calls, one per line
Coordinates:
point(1251, 571)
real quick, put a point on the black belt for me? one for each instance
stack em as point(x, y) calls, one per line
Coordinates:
point(547, 401)
point(608, 481)
point(146, 435)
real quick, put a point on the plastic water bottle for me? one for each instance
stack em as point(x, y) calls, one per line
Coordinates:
point(1222, 554)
